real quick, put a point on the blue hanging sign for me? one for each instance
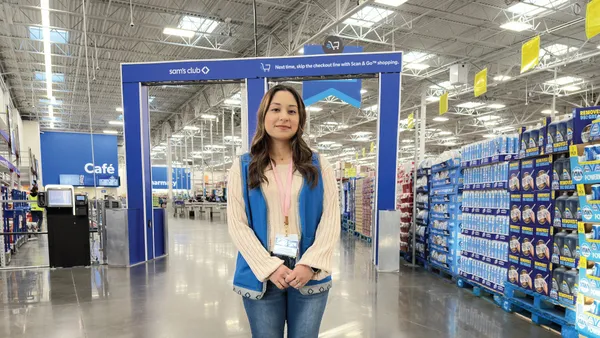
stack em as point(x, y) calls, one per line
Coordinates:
point(301, 66)
point(181, 178)
point(67, 159)
point(347, 90)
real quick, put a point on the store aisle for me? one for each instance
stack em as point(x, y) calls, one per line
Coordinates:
point(189, 295)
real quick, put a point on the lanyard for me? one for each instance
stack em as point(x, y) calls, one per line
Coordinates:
point(284, 195)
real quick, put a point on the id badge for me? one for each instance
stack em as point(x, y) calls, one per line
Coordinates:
point(286, 245)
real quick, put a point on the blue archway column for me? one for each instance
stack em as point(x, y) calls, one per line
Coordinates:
point(136, 118)
point(255, 90)
point(387, 150)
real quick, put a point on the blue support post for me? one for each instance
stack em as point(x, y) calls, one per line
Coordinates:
point(387, 149)
point(138, 157)
point(255, 90)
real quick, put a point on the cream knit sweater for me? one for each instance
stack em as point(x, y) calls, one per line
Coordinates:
point(261, 262)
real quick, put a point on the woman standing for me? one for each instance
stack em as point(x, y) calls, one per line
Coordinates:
point(284, 218)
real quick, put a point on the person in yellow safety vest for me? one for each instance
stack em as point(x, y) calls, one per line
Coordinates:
point(37, 213)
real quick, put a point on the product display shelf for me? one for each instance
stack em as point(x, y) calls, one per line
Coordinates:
point(14, 220)
point(585, 174)
point(348, 205)
point(364, 201)
point(404, 203)
point(485, 221)
point(445, 214)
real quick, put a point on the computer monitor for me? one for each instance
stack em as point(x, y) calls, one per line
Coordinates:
point(59, 198)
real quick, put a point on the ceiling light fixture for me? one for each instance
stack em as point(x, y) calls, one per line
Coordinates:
point(488, 118)
point(119, 109)
point(531, 8)
point(116, 123)
point(502, 78)
point(208, 116)
point(548, 111)
point(445, 133)
point(440, 119)
point(565, 80)
point(113, 132)
point(368, 16)
point(362, 133)
point(330, 123)
point(179, 32)
point(496, 106)
point(191, 128)
point(177, 136)
point(432, 98)
point(232, 102)
point(489, 135)
point(516, 26)
point(364, 91)
point(393, 3)
point(314, 109)
point(45, 9)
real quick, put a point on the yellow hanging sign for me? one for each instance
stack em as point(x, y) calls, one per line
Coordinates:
point(364, 152)
point(444, 103)
point(350, 172)
point(411, 121)
point(480, 85)
point(592, 19)
point(530, 54)
point(372, 147)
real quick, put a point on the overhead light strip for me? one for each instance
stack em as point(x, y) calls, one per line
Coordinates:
point(45, 8)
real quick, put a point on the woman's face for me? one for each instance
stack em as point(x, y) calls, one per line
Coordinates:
point(282, 116)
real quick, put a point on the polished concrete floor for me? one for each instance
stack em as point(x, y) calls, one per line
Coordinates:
point(189, 295)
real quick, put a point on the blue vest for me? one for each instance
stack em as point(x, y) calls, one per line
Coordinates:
point(310, 209)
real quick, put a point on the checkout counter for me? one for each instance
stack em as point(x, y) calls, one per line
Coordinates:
point(68, 226)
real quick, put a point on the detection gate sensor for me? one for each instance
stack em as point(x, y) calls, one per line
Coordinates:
point(459, 74)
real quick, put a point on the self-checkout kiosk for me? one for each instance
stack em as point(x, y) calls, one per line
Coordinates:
point(68, 226)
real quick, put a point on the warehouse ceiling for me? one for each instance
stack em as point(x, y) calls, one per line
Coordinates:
point(433, 34)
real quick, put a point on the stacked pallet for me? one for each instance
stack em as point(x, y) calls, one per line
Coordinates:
point(364, 198)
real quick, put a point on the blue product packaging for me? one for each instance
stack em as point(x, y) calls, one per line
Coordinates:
point(524, 140)
point(528, 208)
point(525, 280)
point(527, 242)
point(590, 153)
point(543, 171)
point(551, 133)
point(596, 192)
point(515, 208)
point(534, 135)
point(561, 132)
point(557, 167)
point(542, 277)
point(544, 209)
point(514, 174)
point(570, 130)
point(527, 175)
point(544, 244)
point(595, 130)
point(513, 273)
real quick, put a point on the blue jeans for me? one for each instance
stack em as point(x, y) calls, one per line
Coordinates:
point(303, 314)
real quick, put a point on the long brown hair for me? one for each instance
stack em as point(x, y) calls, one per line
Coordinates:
point(261, 143)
